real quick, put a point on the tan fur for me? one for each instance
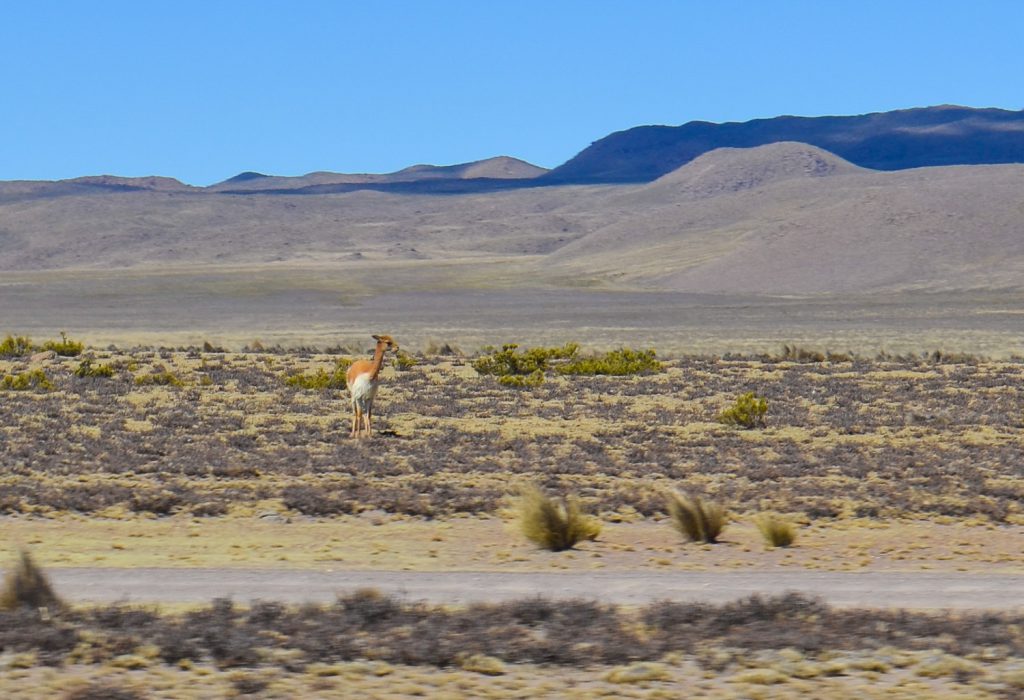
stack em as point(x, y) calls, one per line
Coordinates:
point(363, 391)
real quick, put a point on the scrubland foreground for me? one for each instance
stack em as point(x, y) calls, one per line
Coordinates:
point(366, 645)
point(225, 458)
point(212, 434)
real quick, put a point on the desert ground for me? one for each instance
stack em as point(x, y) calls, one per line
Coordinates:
point(214, 532)
point(489, 301)
point(900, 469)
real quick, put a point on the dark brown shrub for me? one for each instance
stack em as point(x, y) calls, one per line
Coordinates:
point(27, 586)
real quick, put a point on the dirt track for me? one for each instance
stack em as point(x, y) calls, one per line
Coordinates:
point(875, 589)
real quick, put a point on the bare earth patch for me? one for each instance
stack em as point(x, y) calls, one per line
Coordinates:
point(379, 542)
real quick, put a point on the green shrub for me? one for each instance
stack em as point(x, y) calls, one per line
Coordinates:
point(16, 346)
point(321, 379)
point(615, 363)
point(555, 526)
point(522, 382)
point(510, 361)
point(404, 361)
point(776, 531)
point(526, 368)
point(748, 412)
point(27, 586)
point(64, 348)
point(32, 379)
point(86, 369)
point(159, 378)
point(696, 520)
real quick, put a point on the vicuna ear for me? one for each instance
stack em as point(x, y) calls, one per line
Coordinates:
point(376, 337)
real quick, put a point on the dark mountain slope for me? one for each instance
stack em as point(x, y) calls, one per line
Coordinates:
point(910, 138)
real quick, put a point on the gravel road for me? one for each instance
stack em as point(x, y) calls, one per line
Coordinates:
point(920, 590)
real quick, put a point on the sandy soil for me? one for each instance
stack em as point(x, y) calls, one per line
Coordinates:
point(377, 541)
point(498, 302)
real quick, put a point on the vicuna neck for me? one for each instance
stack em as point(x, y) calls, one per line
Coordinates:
point(378, 361)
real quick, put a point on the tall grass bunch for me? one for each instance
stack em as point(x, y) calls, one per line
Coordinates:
point(551, 524)
point(776, 531)
point(695, 519)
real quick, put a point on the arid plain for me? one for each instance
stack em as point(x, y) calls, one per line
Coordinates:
point(888, 455)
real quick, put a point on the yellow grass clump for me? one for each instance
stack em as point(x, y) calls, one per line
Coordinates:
point(554, 525)
point(695, 519)
point(776, 531)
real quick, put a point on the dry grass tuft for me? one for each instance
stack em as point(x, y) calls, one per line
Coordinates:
point(696, 520)
point(27, 586)
point(553, 525)
point(776, 531)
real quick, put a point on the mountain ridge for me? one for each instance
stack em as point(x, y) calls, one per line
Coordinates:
point(496, 168)
point(893, 140)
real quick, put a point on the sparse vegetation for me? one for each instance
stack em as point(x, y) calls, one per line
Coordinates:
point(25, 585)
point(520, 381)
point(462, 439)
point(404, 361)
point(615, 363)
point(16, 346)
point(526, 368)
point(509, 360)
point(554, 525)
point(86, 369)
point(65, 347)
point(534, 630)
point(160, 377)
point(695, 519)
point(103, 690)
point(434, 348)
point(33, 379)
point(776, 531)
point(795, 353)
point(748, 412)
point(319, 380)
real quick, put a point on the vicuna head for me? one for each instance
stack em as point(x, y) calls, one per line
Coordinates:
point(387, 342)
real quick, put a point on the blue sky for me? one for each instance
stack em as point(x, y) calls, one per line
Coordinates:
point(203, 90)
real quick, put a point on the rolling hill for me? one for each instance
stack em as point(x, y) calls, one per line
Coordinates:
point(782, 219)
point(791, 219)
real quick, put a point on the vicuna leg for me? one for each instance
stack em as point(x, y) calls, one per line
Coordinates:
point(367, 417)
point(356, 418)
